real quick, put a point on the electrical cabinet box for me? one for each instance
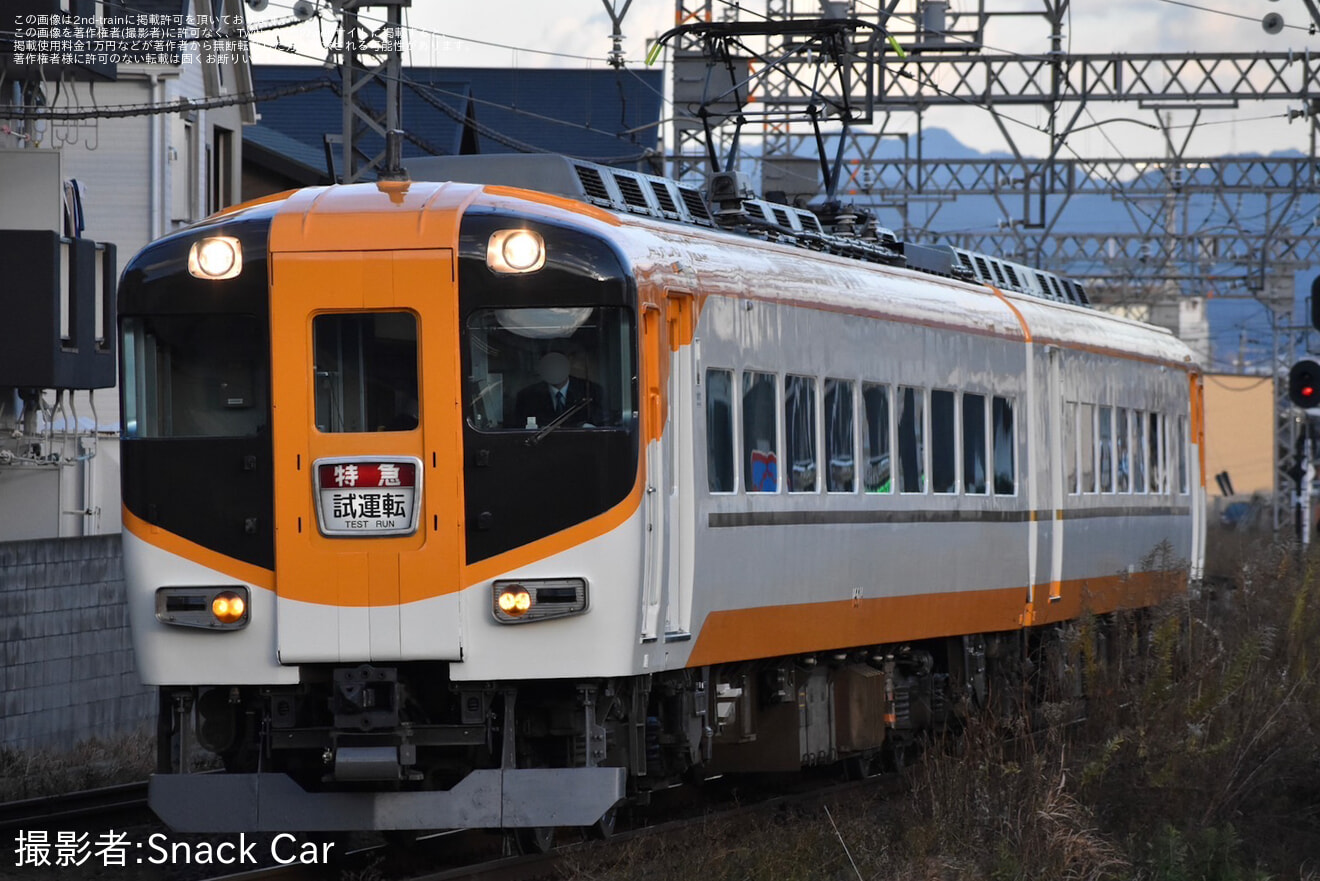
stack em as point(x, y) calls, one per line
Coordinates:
point(59, 295)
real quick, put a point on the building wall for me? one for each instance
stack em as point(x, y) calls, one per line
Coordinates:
point(111, 159)
point(77, 496)
point(1239, 430)
point(68, 658)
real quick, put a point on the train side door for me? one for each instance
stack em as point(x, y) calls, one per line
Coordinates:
point(366, 502)
point(681, 499)
point(670, 504)
point(1061, 455)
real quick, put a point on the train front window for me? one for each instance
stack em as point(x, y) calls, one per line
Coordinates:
point(365, 371)
point(194, 376)
point(528, 369)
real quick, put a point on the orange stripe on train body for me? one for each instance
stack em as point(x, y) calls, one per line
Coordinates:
point(170, 543)
point(770, 631)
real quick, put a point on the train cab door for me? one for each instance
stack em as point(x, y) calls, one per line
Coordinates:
point(364, 371)
point(659, 446)
point(681, 494)
point(670, 507)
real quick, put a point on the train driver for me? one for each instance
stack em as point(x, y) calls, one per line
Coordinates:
point(558, 392)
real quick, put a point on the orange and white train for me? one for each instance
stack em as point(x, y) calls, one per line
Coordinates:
point(804, 496)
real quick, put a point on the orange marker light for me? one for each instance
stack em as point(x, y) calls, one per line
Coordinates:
point(515, 602)
point(228, 607)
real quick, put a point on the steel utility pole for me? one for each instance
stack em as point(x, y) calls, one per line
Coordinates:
point(369, 52)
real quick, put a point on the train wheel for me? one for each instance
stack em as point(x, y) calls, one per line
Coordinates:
point(896, 755)
point(534, 840)
point(604, 827)
point(862, 766)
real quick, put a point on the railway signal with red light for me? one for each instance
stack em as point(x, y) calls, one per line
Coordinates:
point(1304, 384)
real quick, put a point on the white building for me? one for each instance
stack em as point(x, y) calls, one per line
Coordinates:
point(101, 162)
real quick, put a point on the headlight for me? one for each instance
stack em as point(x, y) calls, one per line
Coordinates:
point(515, 251)
point(212, 608)
point(535, 599)
point(215, 257)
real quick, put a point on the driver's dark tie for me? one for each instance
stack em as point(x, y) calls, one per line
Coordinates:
point(559, 401)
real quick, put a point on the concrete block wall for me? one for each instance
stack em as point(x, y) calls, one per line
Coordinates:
point(66, 652)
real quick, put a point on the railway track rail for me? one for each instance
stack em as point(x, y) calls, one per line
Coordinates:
point(457, 856)
point(728, 801)
point(108, 801)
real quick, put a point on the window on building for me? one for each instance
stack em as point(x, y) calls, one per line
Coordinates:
point(910, 417)
point(760, 438)
point(220, 170)
point(839, 473)
point(1003, 438)
point(800, 432)
point(876, 455)
point(973, 420)
point(943, 442)
point(184, 173)
point(719, 430)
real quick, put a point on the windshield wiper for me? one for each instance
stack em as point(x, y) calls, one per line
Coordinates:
point(556, 422)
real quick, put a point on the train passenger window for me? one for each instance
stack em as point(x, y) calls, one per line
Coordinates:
point(973, 421)
point(1003, 439)
point(194, 376)
point(1156, 468)
point(1070, 445)
point(1106, 438)
point(719, 430)
point(878, 477)
point(527, 369)
point(1123, 450)
point(365, 369)
point(1086, 445)
point(839, 473)
point(800, 432)
point(760, 438)
point(911, 418)
point(943, 443)
point(1180, 438)
point(1138, 452)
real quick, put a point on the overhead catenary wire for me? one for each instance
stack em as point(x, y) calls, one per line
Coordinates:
point(1252, 18)
point(42, 112)
point(180, 105)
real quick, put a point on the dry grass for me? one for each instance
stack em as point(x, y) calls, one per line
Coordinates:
point(89, 765)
